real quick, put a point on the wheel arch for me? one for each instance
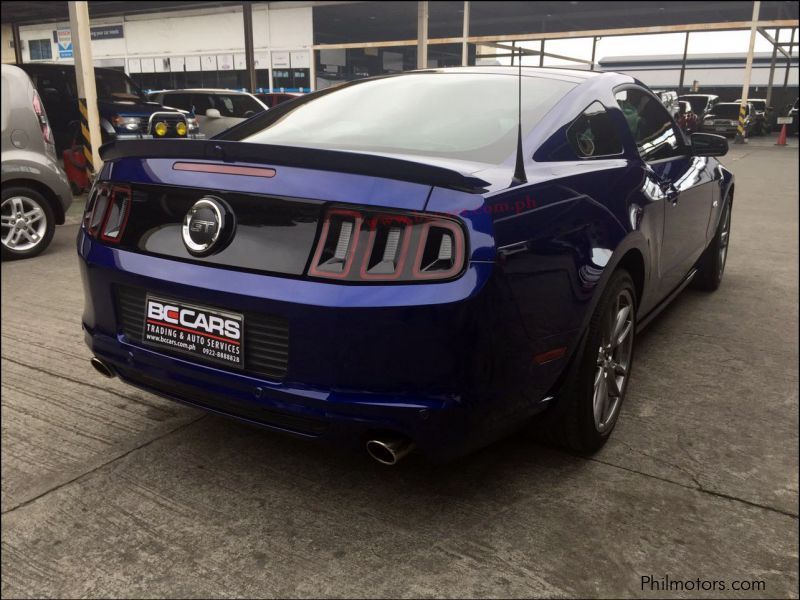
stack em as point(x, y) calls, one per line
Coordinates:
point(48, 194)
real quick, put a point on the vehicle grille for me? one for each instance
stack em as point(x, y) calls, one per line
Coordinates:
point(266, 343)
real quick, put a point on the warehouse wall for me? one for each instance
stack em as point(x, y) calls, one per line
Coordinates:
point(211, 39)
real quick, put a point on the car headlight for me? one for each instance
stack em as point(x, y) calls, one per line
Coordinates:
point(192, 124)
point(160, 129)
point(129, 123)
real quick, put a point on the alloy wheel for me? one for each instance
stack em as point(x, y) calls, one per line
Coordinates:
point(613, 361)
point(23, 223)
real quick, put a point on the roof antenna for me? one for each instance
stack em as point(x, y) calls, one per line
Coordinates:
point(519, 168)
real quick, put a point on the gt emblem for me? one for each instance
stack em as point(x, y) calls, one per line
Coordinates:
point(207, 227)
point(200, 225)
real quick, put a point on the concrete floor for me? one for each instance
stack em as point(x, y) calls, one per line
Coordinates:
point(111, 492)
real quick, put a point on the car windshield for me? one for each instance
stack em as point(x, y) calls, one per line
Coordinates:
point(455, 115)
point(115, 85)
point(698, 103)
point(758, 104)
point(727, 111)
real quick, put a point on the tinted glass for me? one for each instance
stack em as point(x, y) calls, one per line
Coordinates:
point(236, 105)
point(650, 124)
point(698, 104)
point(458, 115)
point(201, 103)
point(593, 134)
point(728, 111)
point(181, 101)
point(115, 85)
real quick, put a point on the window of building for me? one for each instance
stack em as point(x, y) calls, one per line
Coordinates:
point(650, 124)
point(593, 133)
point(40, 49)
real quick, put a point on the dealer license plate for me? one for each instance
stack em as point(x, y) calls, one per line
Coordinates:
point(208, 334)
point(721, 128)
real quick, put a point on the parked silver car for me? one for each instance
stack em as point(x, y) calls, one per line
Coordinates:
point(216, 110)
point(36, 193)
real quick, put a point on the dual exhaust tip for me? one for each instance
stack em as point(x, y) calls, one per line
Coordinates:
point(388, 450)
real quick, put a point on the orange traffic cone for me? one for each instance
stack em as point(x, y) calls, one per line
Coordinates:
point(782, 137)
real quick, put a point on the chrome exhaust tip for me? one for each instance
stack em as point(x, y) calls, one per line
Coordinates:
point(102, 367)
point(389, 451)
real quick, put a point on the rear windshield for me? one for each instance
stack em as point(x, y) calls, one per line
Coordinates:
point(454, 115)
point(758, 104)
point(698, 104)
point(727, 111)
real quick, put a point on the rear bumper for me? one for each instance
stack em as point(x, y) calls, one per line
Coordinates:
point(444, 364)
point(441, 427)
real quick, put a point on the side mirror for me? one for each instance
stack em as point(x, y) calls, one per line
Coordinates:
point(213, 113)
point(708, 144)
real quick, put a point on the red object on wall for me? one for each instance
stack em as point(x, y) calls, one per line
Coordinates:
point(75, 168)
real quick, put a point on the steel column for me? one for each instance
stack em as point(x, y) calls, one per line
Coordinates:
point(772, 67)
point(789, 60)
point(249, 56)
point(17, 44)
point(683, 63)
point(464, 43)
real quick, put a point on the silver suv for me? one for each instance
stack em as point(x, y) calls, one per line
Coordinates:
point(36, 193)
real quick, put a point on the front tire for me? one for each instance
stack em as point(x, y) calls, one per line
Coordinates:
point(28, 223)
point(711, 265)
point(589, 403)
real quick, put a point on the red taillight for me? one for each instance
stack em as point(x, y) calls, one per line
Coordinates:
point(388, 246)
point(41, 116)
point(107, 212)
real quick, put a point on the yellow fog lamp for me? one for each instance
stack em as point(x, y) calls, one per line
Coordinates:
point(160, 129)
point(180, 128)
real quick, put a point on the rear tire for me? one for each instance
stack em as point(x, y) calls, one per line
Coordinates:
point(711, 265)
point(28, 223)
point(588, 405)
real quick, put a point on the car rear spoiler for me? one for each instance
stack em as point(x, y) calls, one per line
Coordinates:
point(312, 158)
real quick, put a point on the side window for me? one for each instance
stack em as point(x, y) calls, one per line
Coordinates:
point(70, 84)
point(177, 101)
point(650, 124)
point(52, 89)
point(201, 103)
point(593, 134)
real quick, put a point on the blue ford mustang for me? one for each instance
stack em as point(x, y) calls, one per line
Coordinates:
point(413, 261)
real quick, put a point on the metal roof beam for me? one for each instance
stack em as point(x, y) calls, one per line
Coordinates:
point(529, 51)
point(556, 35)
point(772, 41)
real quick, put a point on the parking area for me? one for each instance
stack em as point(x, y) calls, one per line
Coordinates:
point(112, 492)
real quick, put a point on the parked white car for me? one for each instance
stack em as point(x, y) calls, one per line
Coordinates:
point(216, 110)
